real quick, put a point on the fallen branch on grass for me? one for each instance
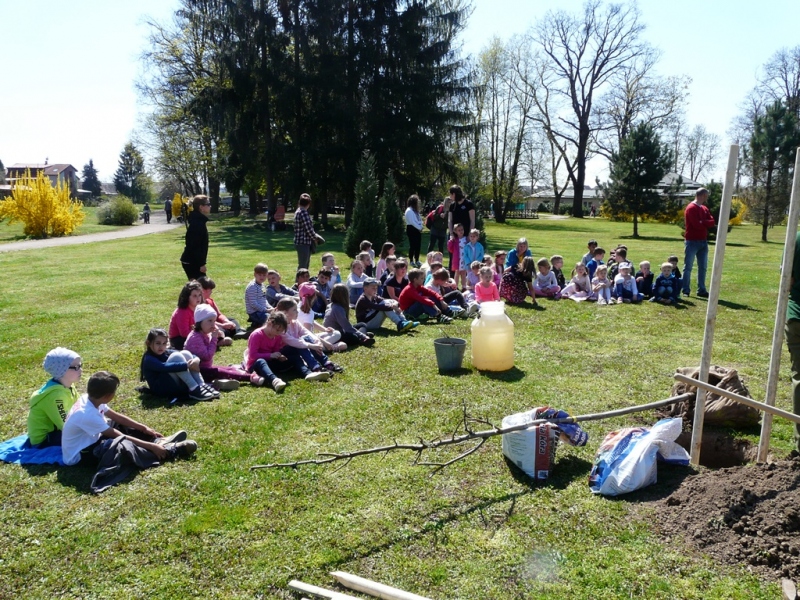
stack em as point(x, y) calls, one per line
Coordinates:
point(469, 435)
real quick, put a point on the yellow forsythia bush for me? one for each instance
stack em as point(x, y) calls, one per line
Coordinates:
point(177, 202)
point(43, 209)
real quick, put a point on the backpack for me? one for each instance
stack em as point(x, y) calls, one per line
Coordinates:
point(429, 219)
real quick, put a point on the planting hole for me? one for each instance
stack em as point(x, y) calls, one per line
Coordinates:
point(720, 450)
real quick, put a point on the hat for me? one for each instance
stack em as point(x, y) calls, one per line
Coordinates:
point(203, 312)
point(626, 265)
point(307, 289)
point(370, 281)
point(58, 360)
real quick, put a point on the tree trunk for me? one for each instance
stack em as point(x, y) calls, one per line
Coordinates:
point(767, 198)
point(580, 175)
point(213, 193)
point(252, 197)
point(236, 203)
point(635, 225)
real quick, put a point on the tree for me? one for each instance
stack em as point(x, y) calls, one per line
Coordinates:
point(393, 216)
point(696, 152)
point(2, 173)
point(581, 56)
point(642, 161)
point(772, 148)
point(368, 222)
point(130, 178)
point(43, 209)
point(90, 180)
point(780, 81)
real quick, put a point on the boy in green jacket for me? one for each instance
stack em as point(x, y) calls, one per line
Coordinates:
point(51, 403)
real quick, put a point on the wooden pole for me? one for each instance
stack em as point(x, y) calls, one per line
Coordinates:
point(307, 588)
point(703, 386)
point(780, 314)
point(373, 588)
point(713, 299)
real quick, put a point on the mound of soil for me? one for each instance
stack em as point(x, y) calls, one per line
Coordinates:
point(740, 515)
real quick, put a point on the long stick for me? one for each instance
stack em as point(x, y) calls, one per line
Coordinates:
point(307, 588)
point(780, 314)
point(713, 300)
point(422, 445)
point(702, 385)
point(373, 588)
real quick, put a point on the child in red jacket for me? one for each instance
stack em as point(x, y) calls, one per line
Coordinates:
point(416, 300)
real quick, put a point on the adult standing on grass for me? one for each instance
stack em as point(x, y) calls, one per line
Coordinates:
point(413, 229)
point(195, 252)
point(439, 225)
point(460, 211)
point(793, 336)
point(305, 238)
point(698, 221)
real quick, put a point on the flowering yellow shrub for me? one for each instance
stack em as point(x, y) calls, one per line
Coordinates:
point(43, 209)
point(740, 209)
point(177, 202)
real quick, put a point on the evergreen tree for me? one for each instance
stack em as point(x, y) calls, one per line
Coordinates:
point(635, 171)
point(2, 173)
point(130, 178)
point(772, 147)
point(368, 222)
point(91, 182)
point(392, 214)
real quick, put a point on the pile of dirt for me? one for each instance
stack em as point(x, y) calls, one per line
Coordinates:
point(740, 515)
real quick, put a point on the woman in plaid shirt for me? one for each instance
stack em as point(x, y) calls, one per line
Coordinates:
point(304, 234)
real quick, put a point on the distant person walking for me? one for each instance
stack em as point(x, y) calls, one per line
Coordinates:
point(698, 221)
point(195, 251)
point(146, 213)
point(168, 210)
point(305, 238)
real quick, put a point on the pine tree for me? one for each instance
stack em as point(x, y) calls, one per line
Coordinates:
point(368, 221)
point(90, 180)
point(395, 223)
point(635, 171)
point(130, 178)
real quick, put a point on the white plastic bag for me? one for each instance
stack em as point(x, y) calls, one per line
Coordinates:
point(626, 460)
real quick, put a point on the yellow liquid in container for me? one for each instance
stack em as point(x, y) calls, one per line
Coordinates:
point(493, 339)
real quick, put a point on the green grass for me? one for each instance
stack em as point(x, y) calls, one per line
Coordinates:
point(13, 232)
point(210, 528)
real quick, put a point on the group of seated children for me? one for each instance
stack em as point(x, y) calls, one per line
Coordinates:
point(88, 431)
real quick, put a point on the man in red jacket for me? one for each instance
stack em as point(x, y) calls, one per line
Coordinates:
point(698, 221)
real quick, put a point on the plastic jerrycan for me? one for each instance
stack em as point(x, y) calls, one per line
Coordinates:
point(493, 339)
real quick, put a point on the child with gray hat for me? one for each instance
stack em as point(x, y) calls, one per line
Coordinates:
point(51, 403)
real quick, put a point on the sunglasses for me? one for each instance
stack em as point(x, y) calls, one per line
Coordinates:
point(77, 368)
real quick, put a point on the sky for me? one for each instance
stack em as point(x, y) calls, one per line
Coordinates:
point(69, 93)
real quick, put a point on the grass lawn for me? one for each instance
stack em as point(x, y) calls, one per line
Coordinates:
point(210, 528)
point(13, 232)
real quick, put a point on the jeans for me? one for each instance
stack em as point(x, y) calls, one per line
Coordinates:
point(793, 343)
point(416, 309)
point(694, 249)
point(303, 255)
point(189, 378)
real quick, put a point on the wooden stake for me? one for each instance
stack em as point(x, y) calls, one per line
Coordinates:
point(780, 314)
point(702, 385)
point(307, 588)
point(713, 300)
point(373, 588)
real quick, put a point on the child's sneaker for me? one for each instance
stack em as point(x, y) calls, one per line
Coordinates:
point(333, 367)
point(601, 302)
point(404, 326)
point(278, 385)
point(458, 312)
point(368, 341)
point(339, 347)
point(210, 389)
point(473, 308)
point(225, 385)
point(226, 341)
point(444, 320)
point(369, 334)
point(200, 393)
point(174, 438)
point(183, 449)
point(256, 379)
point(318, 376)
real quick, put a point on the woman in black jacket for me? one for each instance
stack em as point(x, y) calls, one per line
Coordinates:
point(195, 253)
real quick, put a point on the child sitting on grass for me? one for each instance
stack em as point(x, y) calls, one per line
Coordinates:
point(300, 277)
point(355, 281)
point(51, 403)
point(666, 287)
point(255, 297)
point(309, 346)
point(644, 279)
point(386, 251)
point(182, 321)
point(337, 316)
point(486, 290)
point(366, 246)
point(329, 262)
point(580, 286)
point(267, 354)
point(557, 263)
point(601, 286)
point(368, 261)
point(544, 284)
point(202, 343)
point(306, 314)
point(372, 310)
point(473, 275)
point(230, 327)
point(625, 285)
point(517, 282)
point(276, 290)
point(172, 373)
point(442, 284)
point(416, 300)
point(91, 427)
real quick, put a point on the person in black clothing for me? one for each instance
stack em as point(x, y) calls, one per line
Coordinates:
point(195, 253)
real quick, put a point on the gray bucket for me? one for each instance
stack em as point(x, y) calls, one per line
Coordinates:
point(449, 353)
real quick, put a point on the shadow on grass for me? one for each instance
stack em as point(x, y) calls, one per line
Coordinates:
point(79, 477)
point(736, 306)
point(670, 478)
point(565, 470)
point(513, 374)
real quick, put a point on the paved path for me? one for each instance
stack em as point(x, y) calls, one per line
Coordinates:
point(158, 223)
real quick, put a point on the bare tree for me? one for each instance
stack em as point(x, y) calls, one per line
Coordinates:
point(781, 79)
point(699, 151)
point(582, 55)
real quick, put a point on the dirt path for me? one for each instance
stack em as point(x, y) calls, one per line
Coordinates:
point(158, 224)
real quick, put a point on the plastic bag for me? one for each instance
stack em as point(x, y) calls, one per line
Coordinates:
point(626, 460)
point(534, 449)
